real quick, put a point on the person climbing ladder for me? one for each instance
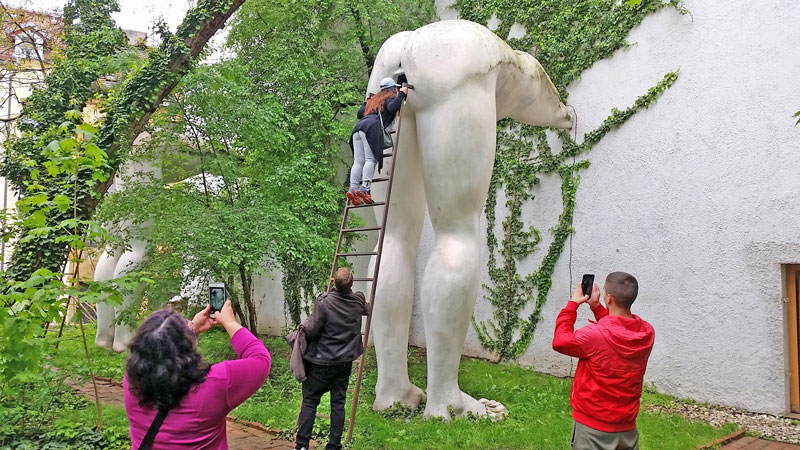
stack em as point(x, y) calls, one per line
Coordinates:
point(367, 139)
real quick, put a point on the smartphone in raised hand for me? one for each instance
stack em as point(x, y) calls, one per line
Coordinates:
point(217, 293)
point(587, 284)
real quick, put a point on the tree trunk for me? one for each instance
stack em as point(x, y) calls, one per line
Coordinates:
point(247, 296)
point(291, 290)
point(140, 95)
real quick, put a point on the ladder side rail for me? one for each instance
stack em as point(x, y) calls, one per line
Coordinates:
point(360, 375)
point(338, 246)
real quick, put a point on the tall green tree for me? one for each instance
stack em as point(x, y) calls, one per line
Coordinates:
point(128, 108)
point(319, 75)
point(204, 214)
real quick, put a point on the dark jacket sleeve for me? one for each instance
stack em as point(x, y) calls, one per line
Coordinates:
point(366, 307)
point(316, 321)
point(393, 104)
point(360, 113)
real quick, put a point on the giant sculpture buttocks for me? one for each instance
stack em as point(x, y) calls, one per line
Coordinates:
point(466, 79)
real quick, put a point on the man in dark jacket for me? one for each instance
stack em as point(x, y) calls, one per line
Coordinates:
point(333, 333)
point(613, 356)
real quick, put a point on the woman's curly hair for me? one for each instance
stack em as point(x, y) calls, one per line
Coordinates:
point(163, 363)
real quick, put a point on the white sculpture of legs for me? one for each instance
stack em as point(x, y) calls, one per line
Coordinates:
point(466, 79)
point(111, 335)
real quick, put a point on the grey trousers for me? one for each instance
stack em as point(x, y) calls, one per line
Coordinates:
point(364, 161)
point(586, 438)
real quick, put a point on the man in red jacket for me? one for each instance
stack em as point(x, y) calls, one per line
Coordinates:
point(613, 356)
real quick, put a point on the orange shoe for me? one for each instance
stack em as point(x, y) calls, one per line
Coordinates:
point(353, 196)
point(363, 194)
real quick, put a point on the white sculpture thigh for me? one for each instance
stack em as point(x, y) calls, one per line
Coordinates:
point(466, 79)
point(109, 335)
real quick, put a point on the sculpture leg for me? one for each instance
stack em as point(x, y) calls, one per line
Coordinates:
point(395, 291)
point(127, 262)
point(457, 147)
point(105, 313)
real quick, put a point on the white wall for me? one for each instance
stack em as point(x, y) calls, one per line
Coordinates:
point(697, 197)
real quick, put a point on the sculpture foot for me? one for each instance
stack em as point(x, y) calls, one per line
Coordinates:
point(463, 406)
point(119, 348)
point(495, 410)
point(410, 396)
point(104, 343)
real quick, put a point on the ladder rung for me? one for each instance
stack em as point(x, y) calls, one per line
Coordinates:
point(379, 179)
point(386, 155)
point(324, 416)
point(366, 205)
point(355, 230)
point(358, 254)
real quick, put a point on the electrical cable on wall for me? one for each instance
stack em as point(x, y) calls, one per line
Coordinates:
point(571, 174)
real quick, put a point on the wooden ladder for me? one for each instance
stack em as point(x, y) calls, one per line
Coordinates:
point(381, 229)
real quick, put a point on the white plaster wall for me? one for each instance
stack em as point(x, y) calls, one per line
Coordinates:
point(269, 300)
point(698, 197)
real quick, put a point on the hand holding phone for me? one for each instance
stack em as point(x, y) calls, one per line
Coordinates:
point(217, 294)
point(587, 283)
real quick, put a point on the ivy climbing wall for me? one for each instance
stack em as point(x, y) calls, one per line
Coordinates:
point(694, 195)
point(697, 195)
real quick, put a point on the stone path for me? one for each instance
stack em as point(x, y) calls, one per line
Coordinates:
point(751, 443)
point(776, 428)
point(242, 435)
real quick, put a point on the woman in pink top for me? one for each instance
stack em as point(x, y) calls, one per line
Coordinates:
point(165, 373)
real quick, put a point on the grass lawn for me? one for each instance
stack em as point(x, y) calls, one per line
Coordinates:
point(539, 411)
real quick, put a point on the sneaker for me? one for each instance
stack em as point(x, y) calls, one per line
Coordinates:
point(353, 196)
point(363, 194)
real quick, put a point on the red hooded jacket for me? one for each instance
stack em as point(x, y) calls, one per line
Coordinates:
point(613, 356)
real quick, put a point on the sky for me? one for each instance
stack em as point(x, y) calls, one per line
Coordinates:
point(138, 15)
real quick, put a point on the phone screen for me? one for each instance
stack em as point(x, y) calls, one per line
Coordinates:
point(587, 284)
point(216, 297)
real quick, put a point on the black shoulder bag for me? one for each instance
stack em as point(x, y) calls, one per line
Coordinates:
point(147, 442)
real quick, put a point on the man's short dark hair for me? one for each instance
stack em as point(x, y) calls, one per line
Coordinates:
point(343, 280)
point(623, 287)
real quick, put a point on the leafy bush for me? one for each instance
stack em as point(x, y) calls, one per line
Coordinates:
point(43, 417)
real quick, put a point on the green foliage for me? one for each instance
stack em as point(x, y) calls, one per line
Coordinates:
point(312, 82)
point(92, 47)
point(567, 37)
point(93, 50)
point(29, 306)
point(43, 417)
point(41, 299)
point(797, 114)
point(214, 124)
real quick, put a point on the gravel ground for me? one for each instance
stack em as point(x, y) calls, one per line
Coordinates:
point(771, 427)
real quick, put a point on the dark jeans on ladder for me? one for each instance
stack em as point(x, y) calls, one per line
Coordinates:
point(321, 379)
